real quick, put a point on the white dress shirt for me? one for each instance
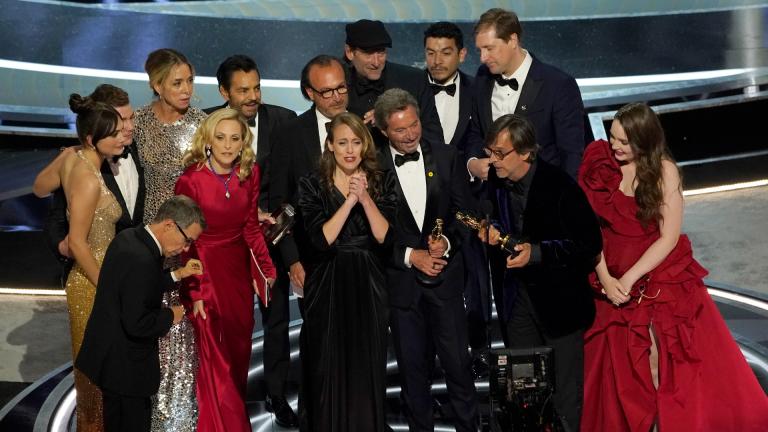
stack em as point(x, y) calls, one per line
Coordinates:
point(127, 179)
point(413, 181)
point(448, 108)
point(321, 130)
point(503, 98)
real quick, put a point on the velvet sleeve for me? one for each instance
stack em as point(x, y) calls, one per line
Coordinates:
point(313, 212)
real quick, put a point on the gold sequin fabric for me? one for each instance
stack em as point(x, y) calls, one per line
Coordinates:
point(80, 294)
point(161, 146)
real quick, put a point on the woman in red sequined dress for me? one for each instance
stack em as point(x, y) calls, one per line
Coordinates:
point(658, 355)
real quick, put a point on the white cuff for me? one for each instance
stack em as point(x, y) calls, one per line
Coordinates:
point(407, 258)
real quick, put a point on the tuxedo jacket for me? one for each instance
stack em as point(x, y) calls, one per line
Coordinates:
point(466, 97)
point(394, 75)
point(269, 118)
point(57, 224)
point(446, 192)
point(559, 219)
point(119, 351)
point(296, 153)
point(551, 100)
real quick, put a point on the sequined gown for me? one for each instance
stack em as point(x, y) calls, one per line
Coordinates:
point(704, 382)
point(80, 294)
point(161, 147)
point(231, 249)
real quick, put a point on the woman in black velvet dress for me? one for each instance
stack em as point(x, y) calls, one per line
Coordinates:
point(346, 207)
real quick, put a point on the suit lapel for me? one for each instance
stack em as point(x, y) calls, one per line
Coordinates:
point(431, 176)
point(313, 145)
point(109, 180)
point(141, 193)
point(262, 140)
point(530, 89)
point(465, 109)
point(486, 92)
point(403, 211)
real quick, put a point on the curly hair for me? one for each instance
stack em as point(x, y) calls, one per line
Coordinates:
point(369, 164)
point(649, 148)
point(195, 154)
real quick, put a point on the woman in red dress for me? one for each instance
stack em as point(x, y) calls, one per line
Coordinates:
point(222, 178)
point(658, 355)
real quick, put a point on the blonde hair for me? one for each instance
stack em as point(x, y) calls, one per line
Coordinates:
point(159, 64)
point(195, 154)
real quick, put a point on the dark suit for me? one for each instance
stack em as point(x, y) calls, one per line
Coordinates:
point(425, 320)
point(476, 275)
point(269, 118)
point(552, 297)
point(551, 100)
point(362, 98)
point(57, 225)
point(466, 97)
point(119, 351)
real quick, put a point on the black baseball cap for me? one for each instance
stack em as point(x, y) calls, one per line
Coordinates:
point(368, 34)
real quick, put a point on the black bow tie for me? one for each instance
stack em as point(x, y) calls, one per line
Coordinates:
point(511, 83)
point(125, 154)
point(252, 122)
point(408, 157)
point(363, 85)
point(437, 88)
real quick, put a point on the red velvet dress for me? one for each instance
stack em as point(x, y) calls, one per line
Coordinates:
point(704, 382)
point(234, 254)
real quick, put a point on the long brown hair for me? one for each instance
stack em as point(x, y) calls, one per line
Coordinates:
point(649, 149)
point(195, 154)
point(369, 165)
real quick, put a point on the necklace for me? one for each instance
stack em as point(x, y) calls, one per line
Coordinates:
point(221, 177)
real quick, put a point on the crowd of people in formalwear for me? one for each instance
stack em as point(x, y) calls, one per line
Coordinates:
point(159, 215)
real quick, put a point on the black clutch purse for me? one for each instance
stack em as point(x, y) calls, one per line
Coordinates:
point(284, 219)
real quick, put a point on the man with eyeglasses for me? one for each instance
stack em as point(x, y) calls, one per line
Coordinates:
point(370, 74)
point(542, 294)
point(120, 346)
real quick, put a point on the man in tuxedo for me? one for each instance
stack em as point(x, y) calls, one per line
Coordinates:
point(451, 88)
point(453, 93)
point(542, 295)
point(511, 80)
point(123, 175)
point(120, 351)
point(426, 274)
point(370, 74)
point(298, 144)
point(240, 86)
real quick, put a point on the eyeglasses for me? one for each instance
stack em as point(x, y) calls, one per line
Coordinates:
point(327, 94)
point(187, 241)
point(498, 153)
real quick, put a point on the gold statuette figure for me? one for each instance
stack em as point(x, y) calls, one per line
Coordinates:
point(506, 242)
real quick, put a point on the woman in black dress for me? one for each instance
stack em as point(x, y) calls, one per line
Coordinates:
point(346, 207)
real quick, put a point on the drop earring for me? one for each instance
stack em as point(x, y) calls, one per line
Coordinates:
point(207, 152)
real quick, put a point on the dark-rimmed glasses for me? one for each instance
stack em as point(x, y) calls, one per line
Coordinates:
point(498, 153)
point(327, 94)
point(187, 241)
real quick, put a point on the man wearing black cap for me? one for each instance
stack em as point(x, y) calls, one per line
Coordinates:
point(370, 74)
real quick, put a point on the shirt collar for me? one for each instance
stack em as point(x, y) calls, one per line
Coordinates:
point(522, 70)
point(157, 242)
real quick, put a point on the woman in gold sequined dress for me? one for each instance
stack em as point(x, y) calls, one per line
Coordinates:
point(93, 212)
point(164, 131)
